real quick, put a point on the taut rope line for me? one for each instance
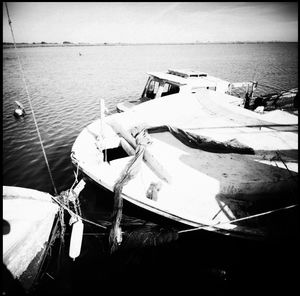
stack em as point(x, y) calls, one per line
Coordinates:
point(72, 213)
point(29, 100)
point(238, 219)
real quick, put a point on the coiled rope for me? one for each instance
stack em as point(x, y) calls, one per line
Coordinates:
point(29, 100)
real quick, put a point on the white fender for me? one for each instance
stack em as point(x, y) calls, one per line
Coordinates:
point(76, 239)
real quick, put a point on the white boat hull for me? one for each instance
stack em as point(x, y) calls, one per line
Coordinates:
point(30, 214)
point(197, 187)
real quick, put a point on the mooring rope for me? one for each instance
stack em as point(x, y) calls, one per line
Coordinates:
point(72, 213)
point(238, 220)
point(76, 176)
point(279, 156)
point(29, 100)
point(271, 125)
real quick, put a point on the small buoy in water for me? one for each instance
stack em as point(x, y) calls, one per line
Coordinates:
point(20, 110)
point(76, 239)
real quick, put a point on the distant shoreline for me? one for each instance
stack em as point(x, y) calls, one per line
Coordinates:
point(22, 45)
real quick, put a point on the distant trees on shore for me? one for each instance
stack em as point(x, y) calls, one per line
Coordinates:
point(68, 43)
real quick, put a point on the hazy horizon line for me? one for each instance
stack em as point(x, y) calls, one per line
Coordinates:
point(136, 43)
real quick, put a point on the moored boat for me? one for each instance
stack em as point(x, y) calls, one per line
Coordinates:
point(29, 217)
point(197, 159)
point(186, 81)
point(283, 100)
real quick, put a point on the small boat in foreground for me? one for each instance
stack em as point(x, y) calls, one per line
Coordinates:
point(197, 159)
point(29, 217)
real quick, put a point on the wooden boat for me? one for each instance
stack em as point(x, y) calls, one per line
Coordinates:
point(284, 100)
point(197, 159)
point(185, 81)
point(29, 216)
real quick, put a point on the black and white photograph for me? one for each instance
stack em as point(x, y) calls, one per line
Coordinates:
point(150, 147)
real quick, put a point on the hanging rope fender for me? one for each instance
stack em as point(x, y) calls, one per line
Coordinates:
point(71, 196)
point(129, 172)
point(70, 199)
point(62, 205)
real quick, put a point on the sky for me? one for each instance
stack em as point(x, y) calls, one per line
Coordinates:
point(151, 22)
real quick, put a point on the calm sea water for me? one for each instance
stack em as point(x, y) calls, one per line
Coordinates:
point(65, 89)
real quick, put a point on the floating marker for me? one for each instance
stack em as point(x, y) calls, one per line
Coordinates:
point(20, 110)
